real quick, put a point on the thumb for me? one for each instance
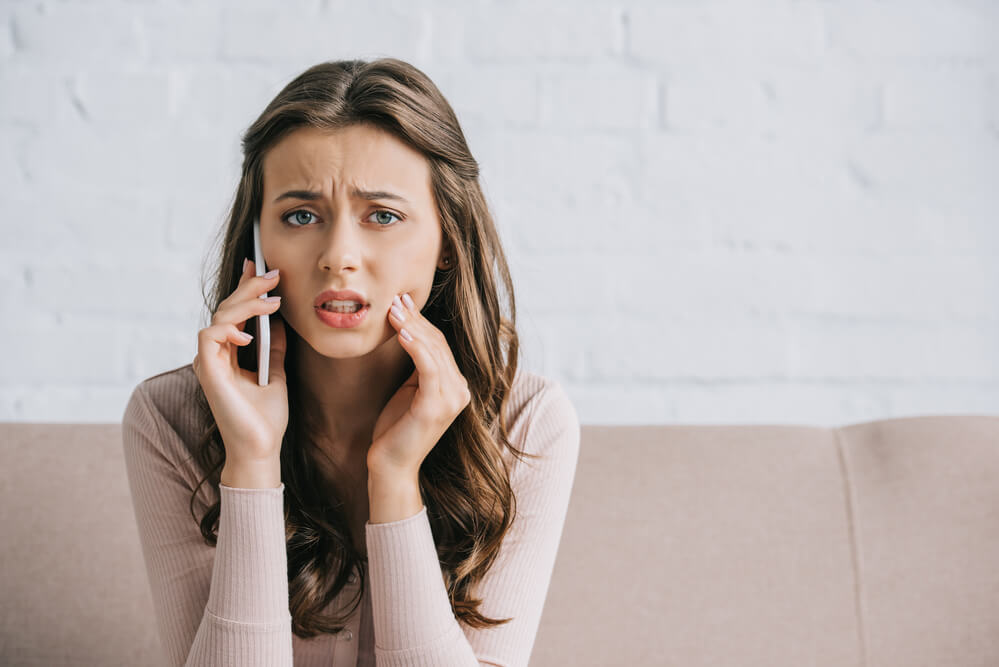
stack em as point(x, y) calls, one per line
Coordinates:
point(279, 345)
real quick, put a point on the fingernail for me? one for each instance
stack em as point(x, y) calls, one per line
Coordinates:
point(405, 334)
point(397, 311)
point(271, 274)
point(246, 263)
point(408, 301)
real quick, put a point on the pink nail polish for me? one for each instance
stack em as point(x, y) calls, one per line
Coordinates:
point(408, 301)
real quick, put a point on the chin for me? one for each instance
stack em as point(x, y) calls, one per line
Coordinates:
point(350, 345)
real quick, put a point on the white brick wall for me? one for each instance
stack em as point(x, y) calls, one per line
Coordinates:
point(781, 211)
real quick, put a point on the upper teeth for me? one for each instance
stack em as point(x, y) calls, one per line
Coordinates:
point(340, 304)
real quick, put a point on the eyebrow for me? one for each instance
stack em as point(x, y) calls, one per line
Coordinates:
point(369, 195)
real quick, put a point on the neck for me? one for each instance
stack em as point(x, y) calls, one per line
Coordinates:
point(346, 396)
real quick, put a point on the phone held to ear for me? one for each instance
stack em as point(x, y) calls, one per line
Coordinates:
point(263, 321)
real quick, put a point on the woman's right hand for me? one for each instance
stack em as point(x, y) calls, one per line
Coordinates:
point(251, 419)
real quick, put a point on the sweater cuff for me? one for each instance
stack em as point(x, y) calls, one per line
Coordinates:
point(410, 604)
point(250, 574)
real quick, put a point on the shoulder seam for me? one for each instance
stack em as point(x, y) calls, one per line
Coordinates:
point(154, 414)
point(167, 372)
point(537, 399)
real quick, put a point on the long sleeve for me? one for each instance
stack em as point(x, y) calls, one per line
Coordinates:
point(413, 621)
point(226, 605)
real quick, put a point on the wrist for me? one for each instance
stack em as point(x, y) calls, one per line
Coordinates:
point(251, 474)
point(393, 497)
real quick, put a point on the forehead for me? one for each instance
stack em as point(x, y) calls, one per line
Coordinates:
point(360, 155)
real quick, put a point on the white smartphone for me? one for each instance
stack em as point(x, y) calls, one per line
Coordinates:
point(263, 321)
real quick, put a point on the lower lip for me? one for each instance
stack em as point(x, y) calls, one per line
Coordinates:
point(342, 320)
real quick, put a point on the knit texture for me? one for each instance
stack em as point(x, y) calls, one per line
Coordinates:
point(228, 605)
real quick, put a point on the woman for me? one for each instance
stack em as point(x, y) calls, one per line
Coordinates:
point(398, 489)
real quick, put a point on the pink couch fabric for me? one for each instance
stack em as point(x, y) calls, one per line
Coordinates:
point(873, 544)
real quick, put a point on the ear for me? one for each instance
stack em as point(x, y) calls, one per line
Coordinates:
point(446, 260)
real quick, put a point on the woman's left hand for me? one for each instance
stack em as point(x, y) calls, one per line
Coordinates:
point(425, 405)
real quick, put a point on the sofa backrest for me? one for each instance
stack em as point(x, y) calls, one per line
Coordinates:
point(777, 545)
point(873, 544)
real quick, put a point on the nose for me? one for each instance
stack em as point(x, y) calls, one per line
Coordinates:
point(340, 249)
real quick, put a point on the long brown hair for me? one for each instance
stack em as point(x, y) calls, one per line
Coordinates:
point(464, 480)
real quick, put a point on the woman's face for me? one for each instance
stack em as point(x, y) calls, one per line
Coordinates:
point(338, 238)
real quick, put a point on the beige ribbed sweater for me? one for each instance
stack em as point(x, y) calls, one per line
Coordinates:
point(228, 605)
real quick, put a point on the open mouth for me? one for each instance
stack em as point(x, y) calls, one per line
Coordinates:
point(343, 309)
point(342, 316)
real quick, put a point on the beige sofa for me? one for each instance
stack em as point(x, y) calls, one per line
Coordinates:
point(873, 545)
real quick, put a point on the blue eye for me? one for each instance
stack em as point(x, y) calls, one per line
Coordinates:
point(389, 212)
point(285, 218)
point(312, 216)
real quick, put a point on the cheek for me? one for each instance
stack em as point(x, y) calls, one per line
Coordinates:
point(414, 277)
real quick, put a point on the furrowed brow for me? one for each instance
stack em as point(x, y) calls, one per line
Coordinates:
point(369, 195)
